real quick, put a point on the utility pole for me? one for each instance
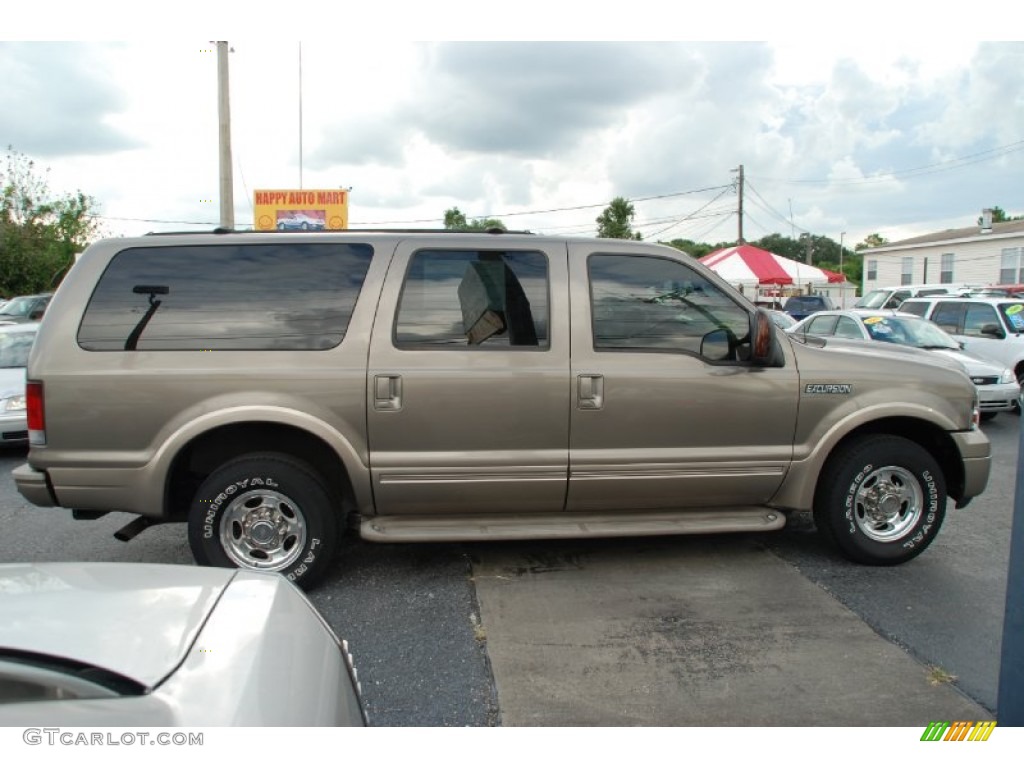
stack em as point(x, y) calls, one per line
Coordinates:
point(739, 238)
point(227, 199)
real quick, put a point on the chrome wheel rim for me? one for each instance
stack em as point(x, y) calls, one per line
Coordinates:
point(888, 504)
point(264, 530)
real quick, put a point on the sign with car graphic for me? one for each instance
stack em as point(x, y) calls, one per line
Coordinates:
point(301, 209)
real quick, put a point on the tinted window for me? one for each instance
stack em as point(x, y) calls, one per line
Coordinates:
point(917, 308)
point(226, 297)
point(488, 299)
point(979, 316)
point(650, 303)
point(948, 315)
point(848, 328)
point(822, 325)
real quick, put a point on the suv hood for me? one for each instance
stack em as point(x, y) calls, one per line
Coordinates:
point(883, 351)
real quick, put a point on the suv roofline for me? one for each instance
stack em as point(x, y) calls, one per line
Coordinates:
point(456, 232)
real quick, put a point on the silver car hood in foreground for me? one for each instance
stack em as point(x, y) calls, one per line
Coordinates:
point(136, 620)
point(195, 646)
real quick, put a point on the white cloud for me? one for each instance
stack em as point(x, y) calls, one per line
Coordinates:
point(832, 131)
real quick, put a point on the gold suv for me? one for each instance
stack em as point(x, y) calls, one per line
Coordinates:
point(274, 390)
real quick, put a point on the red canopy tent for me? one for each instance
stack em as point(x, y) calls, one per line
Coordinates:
point(749, 265)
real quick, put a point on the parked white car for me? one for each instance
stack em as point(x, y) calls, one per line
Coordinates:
point(15, 344)
point(129, 644)
point(988, 327)
point(998, 390)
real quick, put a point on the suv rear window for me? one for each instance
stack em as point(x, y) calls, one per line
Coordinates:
point(808, 303)
point(226, 297)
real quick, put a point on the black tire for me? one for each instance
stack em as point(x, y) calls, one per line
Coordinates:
point(267, 512)
point(880, 499)
point(989, 416)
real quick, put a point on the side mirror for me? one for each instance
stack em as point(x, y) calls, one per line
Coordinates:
point(993, 330)
point(765, 349)
point(718, 345)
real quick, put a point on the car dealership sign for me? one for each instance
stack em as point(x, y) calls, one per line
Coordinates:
point(301, 209)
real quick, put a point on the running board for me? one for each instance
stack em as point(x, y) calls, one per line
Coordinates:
point(569, 526)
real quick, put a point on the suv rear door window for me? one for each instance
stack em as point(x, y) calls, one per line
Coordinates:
point(226, 297)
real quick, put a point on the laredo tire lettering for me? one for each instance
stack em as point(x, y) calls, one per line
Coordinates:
point(844, 521)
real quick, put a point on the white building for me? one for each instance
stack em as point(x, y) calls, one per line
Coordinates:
point(980, 255)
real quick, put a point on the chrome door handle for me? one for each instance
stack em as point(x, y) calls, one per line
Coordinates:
point(387, 392)
point(590, 391)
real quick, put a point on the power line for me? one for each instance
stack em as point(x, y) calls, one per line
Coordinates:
point(924, 170)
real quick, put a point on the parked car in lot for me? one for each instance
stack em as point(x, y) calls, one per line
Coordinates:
point(22, 309)
point(891, 297)
point(419, 387)
point(15, 344)
point(988, 327)
point(998, 390)
point(799, 307)
point(127, 644)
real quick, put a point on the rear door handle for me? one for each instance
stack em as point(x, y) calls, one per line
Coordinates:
point(387, 392)
point(590, 391)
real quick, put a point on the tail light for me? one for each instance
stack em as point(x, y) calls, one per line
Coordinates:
point(35, 413)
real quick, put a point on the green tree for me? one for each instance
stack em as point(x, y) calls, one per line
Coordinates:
point(871, 241)
point(617, 221)
point(40, 233)
point(695, 249)
point(456, 221)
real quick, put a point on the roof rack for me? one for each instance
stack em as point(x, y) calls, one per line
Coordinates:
point(225, 231)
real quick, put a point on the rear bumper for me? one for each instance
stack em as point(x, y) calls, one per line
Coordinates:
point(34, 486)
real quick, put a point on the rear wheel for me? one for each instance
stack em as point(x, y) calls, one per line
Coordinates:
point(881, 500)
point(265, 512)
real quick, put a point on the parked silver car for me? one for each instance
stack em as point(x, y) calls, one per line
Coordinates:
point(998, 390)
point(127, 644)
point(15, 344)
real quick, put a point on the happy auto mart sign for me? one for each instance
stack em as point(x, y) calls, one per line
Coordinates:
point(301, 209)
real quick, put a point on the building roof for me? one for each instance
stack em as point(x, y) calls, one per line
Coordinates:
point(1003, 228)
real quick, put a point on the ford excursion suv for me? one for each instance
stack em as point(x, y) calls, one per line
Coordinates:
point(274, 390)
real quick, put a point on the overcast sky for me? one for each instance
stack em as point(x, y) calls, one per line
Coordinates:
point(836, 133)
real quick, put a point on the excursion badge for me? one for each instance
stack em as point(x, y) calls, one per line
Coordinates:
point(828, 389)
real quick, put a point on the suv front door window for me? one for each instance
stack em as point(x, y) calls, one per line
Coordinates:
point(653, 421)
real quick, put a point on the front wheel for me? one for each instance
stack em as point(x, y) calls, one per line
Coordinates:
point(266, 512)
point(881, 500)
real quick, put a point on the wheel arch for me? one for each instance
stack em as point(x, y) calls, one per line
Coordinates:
point(206, 451)
point(798, 491)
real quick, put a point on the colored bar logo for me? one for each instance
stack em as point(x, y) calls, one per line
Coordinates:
point(960, 730)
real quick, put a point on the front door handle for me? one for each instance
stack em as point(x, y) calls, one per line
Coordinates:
point(590, 391)
point(387, 392)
